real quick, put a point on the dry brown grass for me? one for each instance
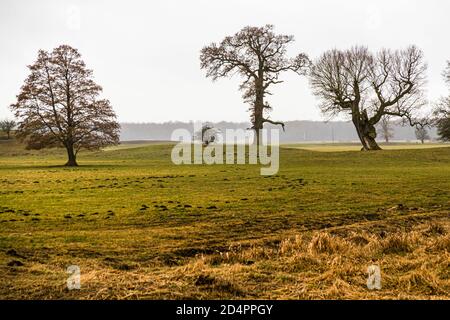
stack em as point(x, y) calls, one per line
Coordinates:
point(329, 264)
point(414, 265)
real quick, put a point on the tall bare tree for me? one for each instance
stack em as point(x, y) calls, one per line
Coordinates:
point(442, 119)
point(207, 134)
point(259, 56)
point(442, 111)
point(421, 133)
point(386, 130)
point(7, 126)
point(368, 86)
point(59, 106)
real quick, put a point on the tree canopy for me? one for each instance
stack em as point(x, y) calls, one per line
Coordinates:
point(442, 111)
point(368, 86)
point(259, 56)
point(59, 105)
point(7, 126)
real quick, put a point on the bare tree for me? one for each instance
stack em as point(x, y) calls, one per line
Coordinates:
point(259, 56)
point(207, 134)
point(58, 106)
point(386, 130)
point(442, 119)
point(441, 113)
point(367, 87)
point(7, 126)
point(421, 131)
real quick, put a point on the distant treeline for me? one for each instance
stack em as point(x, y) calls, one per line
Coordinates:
point(296, 131)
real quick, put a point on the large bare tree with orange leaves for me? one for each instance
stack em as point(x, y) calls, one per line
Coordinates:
point(59, 106)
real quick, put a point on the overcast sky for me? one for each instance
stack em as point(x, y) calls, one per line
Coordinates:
point(145, 54)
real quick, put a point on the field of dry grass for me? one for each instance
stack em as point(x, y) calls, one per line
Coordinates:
point(413, 255)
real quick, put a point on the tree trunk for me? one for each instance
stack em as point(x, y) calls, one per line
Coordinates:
point(258, 114)
point(8, 134)
point(359, 131)
point(72, 158)
point(371, 142)
point(369, 134)
point(257, 141)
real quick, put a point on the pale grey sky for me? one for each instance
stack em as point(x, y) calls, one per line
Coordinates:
point(145, 54)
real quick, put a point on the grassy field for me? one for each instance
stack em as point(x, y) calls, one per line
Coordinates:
point(140, 227)
point(341, 147)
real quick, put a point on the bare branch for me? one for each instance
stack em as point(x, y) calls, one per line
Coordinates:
point(259, 56)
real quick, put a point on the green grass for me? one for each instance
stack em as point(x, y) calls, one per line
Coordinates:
point(92, 216)
point(136, 144)
point(340, 147)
